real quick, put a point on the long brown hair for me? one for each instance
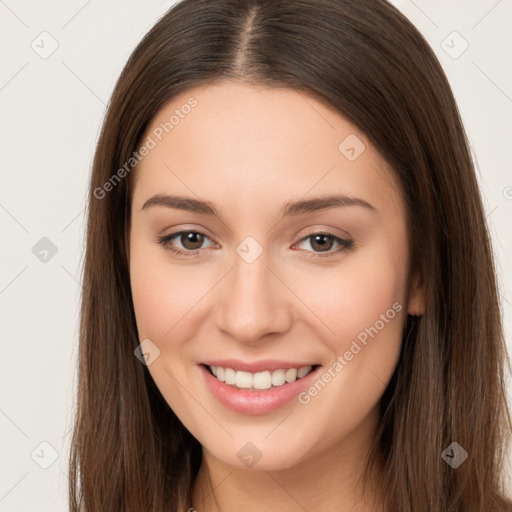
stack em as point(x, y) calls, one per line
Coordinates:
point(129, 451)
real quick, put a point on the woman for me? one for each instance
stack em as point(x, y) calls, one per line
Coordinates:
point(290, 299)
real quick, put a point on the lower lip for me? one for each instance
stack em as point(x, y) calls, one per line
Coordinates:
point(256, 402)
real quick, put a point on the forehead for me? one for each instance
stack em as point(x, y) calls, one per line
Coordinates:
point(255, 143)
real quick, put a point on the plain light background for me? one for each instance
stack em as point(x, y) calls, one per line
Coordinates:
point(51, 109)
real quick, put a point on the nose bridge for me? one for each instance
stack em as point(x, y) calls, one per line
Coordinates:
point(253, 303)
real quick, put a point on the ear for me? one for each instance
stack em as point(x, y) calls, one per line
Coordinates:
point(416, 302)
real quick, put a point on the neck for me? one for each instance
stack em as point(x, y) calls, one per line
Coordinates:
point(329, 480)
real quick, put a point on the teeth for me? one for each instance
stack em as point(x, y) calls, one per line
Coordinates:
point(260, 380)
point(302, 372)
point(229, 376)
point(243, 380)
point(291, 375)
point(278, 377)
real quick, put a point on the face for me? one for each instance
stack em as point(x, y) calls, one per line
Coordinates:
point(267, 236)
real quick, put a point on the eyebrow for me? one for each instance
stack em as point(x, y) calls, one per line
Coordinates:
point(291, 208)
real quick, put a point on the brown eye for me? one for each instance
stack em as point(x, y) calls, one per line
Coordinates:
point(326, 244)
point(184, 243)
point(322, 242)
point(191, 240)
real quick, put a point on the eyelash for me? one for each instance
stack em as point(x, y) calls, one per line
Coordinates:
point(345, 245)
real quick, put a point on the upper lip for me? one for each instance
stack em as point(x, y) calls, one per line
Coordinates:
point(256, 366)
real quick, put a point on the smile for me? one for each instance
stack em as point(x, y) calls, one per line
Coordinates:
point(257, 387)
point(261, 380)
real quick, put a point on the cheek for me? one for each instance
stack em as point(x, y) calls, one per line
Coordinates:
point(163, 293)
point(151, 300)
point(360, 309)
point(364, 306)
point(164, 297)
point(355, 294)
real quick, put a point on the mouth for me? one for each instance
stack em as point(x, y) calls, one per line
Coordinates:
point(259, 381)
point(261, 391)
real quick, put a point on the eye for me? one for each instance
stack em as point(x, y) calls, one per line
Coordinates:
point(323, 242)
point(191, 242)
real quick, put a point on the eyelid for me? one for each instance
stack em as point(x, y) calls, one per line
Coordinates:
point(184, 228)
point(317, 230)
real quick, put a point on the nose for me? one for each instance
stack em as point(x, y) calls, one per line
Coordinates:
point(253, 302)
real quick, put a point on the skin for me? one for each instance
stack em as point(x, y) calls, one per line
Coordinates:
point(249, 150)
